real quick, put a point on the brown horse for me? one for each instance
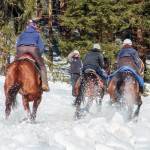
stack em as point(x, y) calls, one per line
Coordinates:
point(89, 85)
point(22, 76)
point(123, 88)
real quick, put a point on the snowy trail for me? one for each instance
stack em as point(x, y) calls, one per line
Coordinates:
point(56, 129)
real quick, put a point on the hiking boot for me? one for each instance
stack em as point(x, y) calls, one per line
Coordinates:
point(45, 88)
point(143, 94)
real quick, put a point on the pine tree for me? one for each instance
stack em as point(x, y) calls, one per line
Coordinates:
point(89, 21)
point(14, 15)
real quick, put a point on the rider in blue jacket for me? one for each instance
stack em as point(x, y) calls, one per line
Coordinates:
point(128, 56)
point(130, 52)
point(30, 42)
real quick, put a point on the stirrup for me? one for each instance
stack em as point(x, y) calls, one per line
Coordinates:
point(45, 88)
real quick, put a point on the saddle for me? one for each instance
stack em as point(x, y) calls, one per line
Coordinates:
point(90, 71)
point(127, 68)
point(32, 60)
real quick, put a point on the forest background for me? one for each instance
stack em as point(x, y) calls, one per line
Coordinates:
point(76, 24)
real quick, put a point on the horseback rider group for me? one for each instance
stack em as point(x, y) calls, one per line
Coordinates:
point(31, 42)
point(127, 56)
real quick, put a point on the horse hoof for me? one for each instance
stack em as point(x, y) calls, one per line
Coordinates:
point(81, 114)
point(77, 116)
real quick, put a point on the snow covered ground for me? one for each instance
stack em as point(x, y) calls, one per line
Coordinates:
point(56, 128)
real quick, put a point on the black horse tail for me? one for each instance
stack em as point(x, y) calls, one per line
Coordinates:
point(119, 90)
point(80, 96)
point(12, 90)
point(12, 93)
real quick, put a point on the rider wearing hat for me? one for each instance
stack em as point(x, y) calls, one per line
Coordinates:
point(31, 42)
point(94, 60)
point(75, 68)
point(128, 56)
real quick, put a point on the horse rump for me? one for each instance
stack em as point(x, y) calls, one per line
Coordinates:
point(89, 88)
point(123, 89)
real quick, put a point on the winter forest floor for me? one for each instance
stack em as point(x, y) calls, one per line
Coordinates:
point(56, 129)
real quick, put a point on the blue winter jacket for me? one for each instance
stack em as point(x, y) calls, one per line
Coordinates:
point(31, 37)
point(129, 52)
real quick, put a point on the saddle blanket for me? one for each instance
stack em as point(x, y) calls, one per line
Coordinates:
point(125, 68)
point(31, 59)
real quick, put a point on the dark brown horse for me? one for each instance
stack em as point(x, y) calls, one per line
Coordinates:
point(123, 88)
point(89, 85)
point(23, 77)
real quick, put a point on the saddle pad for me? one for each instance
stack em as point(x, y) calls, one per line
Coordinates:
point(125, 68)
point(26, 56)
point(31, 59)
point(89, 70)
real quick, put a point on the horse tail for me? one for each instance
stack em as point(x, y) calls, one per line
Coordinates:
point(12, 95)
point(80, 96)
point(12, 86)
point(118, 90)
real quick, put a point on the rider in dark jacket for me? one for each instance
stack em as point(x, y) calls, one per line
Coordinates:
point(94, 60)
point(30, 42)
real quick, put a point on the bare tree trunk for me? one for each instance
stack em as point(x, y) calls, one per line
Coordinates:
point(39, 9)
point(50, 35)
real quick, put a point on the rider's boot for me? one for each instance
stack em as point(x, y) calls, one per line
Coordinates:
point(45, 86)
point(141, 91)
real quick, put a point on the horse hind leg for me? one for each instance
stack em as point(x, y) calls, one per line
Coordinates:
point(26, 108)
point(89, 104)
point(35, 106)
point(129, 113)
point(136, 113)
point(99, 105)
point(78, 100)
point(8, 107)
